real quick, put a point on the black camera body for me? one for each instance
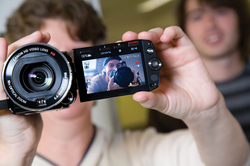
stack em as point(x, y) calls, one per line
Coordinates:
point(37, 77)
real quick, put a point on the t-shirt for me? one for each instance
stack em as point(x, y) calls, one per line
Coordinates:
point(138, 148)
point(237, 97)
point(236, 93)
point(98, 84)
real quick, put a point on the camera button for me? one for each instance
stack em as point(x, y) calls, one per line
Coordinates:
point(153, 84)
point(150, 50)
point(105, 49)
point(154, 77)
point(155, 64)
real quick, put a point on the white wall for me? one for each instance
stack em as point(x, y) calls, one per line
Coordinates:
point(6, 8)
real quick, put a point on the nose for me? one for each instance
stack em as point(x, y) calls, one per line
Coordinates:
point(210, 21)
point(114, 67)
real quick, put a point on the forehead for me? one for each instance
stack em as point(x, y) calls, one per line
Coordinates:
point(192, 5)
point(113, 61)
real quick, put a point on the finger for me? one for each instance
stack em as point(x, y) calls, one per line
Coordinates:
point(172, 33)
point(3, 55)
point(3, 50)
point(175, 35)
point(129, 36)
point(46, 37)
point(152, 35)
point(135, 77)
point(37, 36)
point(111, 80)
point(110, 84)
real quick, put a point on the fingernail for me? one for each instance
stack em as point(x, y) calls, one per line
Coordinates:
point(45, 33)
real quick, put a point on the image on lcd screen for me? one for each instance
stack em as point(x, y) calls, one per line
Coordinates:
point(112, 73)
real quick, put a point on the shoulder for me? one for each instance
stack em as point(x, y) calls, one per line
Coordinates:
point(248, 67)
point(41, 161)
point(99, 77)
point(144, 148)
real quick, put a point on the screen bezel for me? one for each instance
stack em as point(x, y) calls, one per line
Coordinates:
point(103, 52)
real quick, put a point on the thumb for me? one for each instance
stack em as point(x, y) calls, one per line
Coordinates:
point(152, 100)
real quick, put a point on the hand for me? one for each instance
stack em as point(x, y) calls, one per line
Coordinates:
point(135, 77)
point(112, 85)
point(185, 88)
point(19, 134)
point(187, 92)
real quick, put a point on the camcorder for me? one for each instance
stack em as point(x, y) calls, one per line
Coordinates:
point(37, 77)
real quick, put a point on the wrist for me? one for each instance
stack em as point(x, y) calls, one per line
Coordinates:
point(209, 116)
point(227, 136)
point(17, 156)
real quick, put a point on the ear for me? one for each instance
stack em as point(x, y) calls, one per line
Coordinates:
point(104, 69)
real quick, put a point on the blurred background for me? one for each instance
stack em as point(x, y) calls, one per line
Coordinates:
point(121, 16)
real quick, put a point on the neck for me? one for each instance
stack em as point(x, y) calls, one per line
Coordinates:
point(224, 68)
point(64, 142)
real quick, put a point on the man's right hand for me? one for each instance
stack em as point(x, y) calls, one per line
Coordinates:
point(19, 134)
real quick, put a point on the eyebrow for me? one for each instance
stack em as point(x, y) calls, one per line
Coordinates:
point(193, 11)
point(200, 9)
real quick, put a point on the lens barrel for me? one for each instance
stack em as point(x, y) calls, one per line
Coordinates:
point(38, 77)
point(123, 76)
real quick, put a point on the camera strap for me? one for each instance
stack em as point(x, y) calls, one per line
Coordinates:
point(4, 104)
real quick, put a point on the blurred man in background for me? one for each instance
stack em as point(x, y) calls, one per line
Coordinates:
point(219, 30)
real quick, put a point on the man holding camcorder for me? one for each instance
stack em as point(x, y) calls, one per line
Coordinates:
point(68, 136)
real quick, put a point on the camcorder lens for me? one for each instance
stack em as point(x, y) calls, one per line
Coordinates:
point(37, 77)
point(123, 76)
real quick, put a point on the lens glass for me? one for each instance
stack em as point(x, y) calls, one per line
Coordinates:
point(123, 76)
point(37, 77)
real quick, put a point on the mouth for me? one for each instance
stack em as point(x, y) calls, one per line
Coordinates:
point(213, 39)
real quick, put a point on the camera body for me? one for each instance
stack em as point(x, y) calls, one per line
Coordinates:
point(137, 69)
point(37, 77)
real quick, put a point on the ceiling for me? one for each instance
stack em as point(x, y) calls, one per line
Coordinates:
point(123, 15)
